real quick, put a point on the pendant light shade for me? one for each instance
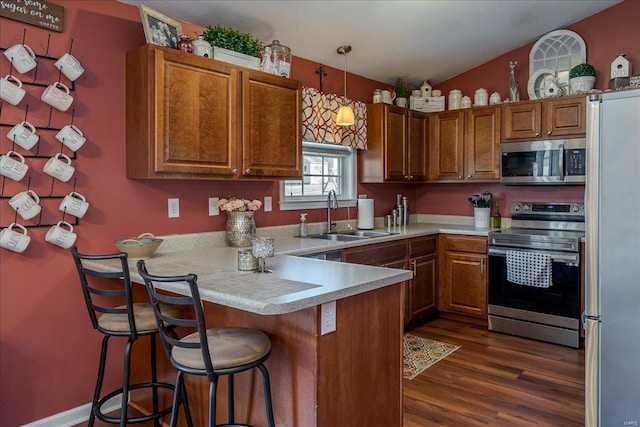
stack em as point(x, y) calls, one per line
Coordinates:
point(345, 117)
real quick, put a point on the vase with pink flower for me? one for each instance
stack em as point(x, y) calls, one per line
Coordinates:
point(241, 227)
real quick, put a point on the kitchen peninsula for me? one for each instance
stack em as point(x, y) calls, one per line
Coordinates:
point(316, 380)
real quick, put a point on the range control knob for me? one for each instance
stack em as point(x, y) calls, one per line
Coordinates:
point(576, 208)
point(516, 207)
point(526, 207)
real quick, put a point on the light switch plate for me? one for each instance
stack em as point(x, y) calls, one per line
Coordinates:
point(214, 207)
point(267, 204)
point(174, 208)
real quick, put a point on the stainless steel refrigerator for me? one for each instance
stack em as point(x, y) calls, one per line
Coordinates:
point(612, 306)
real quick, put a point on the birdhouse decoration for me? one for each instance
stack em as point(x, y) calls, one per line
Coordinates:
point(621, 67)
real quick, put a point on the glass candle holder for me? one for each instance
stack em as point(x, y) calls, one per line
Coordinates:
point(262, 248)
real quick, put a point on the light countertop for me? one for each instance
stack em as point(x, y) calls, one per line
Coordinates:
point(295, 283)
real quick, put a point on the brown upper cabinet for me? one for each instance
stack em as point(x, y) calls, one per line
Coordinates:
point(191, 117)
point(551, 118)
point(465, 145)
point(396, 145)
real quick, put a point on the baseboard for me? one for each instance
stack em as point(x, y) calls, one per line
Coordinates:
point(76, 415)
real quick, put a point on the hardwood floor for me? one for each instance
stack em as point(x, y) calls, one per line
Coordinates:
point(495, 380)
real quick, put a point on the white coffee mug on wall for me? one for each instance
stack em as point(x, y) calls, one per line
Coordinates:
point(69, 66)
point(21, 57)
point(61, 170)
point(74, 204)
point(26, 203)
point(57, 95)
point(13, 240)
point(11, 168)
point(61, 235)
point(24, 134)
point(11, 89)
point(71, 137)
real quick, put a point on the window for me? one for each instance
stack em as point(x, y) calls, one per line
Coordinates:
point(325, 167)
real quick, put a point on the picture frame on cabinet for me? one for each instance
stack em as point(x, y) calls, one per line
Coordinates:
point(160, 29)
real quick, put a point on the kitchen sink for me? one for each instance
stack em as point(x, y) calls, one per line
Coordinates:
point(348, 236)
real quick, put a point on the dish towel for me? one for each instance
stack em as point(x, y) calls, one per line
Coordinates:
point(529, 268)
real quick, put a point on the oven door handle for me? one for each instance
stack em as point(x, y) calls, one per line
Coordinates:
point(573, 259)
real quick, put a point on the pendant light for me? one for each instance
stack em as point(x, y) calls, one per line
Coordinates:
point(345, 117)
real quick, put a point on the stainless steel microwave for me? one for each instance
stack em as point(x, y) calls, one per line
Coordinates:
point(549, 162)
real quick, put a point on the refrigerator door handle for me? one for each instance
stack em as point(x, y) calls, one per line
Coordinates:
point(561, 161)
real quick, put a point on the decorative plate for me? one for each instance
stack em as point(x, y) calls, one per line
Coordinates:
point(537, 83)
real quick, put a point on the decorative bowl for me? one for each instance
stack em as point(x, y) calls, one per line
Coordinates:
point(142, 247)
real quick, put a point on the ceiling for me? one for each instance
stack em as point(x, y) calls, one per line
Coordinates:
point(419, 39)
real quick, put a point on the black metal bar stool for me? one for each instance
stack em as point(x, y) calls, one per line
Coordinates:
point(212, 352)
point(130, 320)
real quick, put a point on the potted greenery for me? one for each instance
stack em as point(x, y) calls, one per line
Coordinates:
point(402, 89)
point(231, 45)
point(582, 77)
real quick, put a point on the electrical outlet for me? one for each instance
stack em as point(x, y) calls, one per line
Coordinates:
point(214, 207)
point(174, 208)
point(327, 317)
point(267, 204)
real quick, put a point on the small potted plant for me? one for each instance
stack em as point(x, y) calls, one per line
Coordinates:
point(582, 77)
point(231, 45)
point(402, 89)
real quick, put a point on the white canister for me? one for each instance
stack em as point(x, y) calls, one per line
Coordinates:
point(201, 47)
point(481, 97)
point(455, 96)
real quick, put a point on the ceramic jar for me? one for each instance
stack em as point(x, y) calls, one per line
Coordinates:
point(481, 98)
point(455, 96)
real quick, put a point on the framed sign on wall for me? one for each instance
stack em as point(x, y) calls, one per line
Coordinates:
point(40, 13)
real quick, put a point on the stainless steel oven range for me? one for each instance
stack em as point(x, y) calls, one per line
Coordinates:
point(534, 273)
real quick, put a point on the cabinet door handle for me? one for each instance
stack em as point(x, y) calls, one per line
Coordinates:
point(469, 176)
point(481, 265)
point(234, 171)
point(459, 176)
point(549, 133)
point(414, 265)
point(247, 170)
point(537, 134)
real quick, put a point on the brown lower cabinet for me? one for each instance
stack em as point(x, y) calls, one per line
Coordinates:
point(463, 274)
point(417, 254)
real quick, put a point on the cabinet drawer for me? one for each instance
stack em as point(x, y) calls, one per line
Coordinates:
point(376, 254)
point(422, 246)
point(466, 244)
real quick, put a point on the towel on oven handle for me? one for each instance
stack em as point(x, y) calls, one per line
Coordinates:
point(529, 268)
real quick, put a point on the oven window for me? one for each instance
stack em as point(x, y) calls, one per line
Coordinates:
point(561, 299)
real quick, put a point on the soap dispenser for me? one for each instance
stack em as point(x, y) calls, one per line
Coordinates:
point(303, 225)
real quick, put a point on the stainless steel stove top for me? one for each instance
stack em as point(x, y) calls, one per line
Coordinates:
point(544, 226)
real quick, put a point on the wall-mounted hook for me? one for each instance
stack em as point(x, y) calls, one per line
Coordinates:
point(24, 35)
point(75, 181)
point(53, 181)
point(46, 53)
point(73, 115)
point(2, 188)
point(50, 114)
point(26, 112)
point(70, 45)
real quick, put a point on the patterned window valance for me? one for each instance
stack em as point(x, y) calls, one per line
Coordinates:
point(319, 113)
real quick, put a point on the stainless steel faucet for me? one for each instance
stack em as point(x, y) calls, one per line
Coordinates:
point(332, 203)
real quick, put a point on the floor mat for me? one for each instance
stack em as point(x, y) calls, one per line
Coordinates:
point(421, 353)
